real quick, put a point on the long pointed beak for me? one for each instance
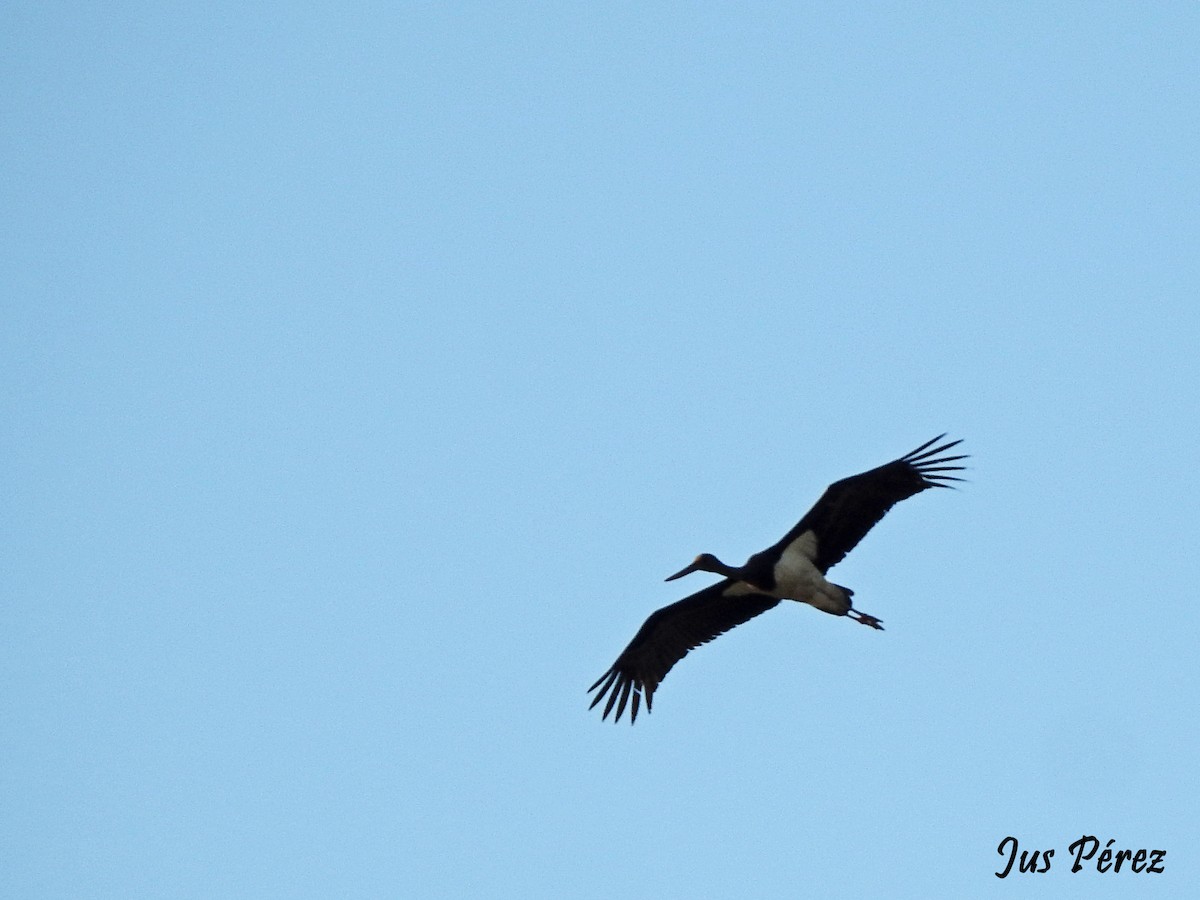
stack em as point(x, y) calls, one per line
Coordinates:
point(687, 570)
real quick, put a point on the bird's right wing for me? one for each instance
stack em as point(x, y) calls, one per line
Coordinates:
point(668, 635)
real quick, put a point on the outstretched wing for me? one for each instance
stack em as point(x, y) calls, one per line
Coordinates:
point(850, 508)
point(668, 635)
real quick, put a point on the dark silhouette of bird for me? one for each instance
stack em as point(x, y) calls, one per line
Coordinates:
point(792, 569)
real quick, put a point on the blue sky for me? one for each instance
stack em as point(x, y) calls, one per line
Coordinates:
point(366, 368)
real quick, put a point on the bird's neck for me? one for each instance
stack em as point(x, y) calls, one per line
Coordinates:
point(715, 565)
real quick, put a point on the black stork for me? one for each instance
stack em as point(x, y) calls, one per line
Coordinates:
point(792, 569)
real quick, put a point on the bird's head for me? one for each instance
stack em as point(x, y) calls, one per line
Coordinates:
point(705, 562)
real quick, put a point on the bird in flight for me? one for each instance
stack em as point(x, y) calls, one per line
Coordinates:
point(792, 569)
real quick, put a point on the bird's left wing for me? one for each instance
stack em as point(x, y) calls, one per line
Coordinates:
point(851, 507)
point(668, 635)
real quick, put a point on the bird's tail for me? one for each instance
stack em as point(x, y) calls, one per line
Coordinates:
point(845, 590)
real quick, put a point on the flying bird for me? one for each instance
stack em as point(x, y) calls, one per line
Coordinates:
point(792, 569)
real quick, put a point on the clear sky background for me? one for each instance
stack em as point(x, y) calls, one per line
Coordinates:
point(366, 368)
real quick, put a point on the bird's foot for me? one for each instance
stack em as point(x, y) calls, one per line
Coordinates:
point(864, 619)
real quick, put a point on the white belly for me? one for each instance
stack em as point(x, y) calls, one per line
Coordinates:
point(796, 578)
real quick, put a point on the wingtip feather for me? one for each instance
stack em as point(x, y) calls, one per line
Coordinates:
point(608, 678)
point(598, 680)
point(917, 455)
point(913, 453)
point(625, 689)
